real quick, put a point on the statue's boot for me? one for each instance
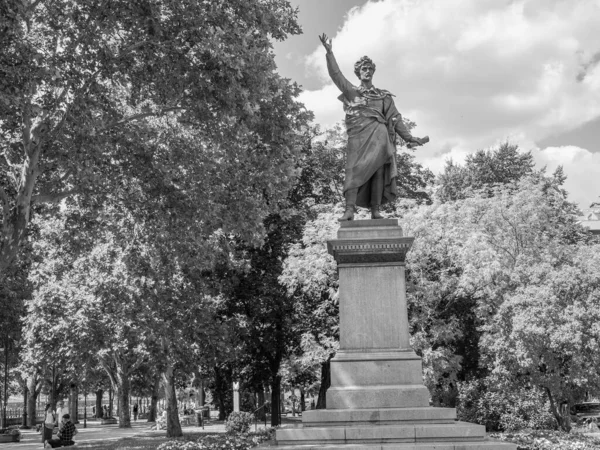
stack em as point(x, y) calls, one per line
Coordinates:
point(376, 194)
point(350, 205)
point(348, 214)
point(375, 212)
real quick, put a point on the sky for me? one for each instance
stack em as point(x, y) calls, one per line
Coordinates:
point(471, 73)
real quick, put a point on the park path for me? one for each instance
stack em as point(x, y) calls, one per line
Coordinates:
point(101, 433)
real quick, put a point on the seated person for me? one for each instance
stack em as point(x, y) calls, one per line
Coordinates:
point(65, 435)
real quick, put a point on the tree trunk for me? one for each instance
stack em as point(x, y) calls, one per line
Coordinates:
point(564, 425)
point(275, 401)
point(325, 383)
point(302, 400)
point(110, 402)
point(154, 398)
point(173, 425)
point(99, 409)
point(73, 394)
point(25, 404)
point(261, 413)
point(220, 394)
point(122, 392)
point(31, 403)
point(16, 219)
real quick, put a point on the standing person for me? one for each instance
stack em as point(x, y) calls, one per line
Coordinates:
point(372, 122)
point(61, 410)
point(49, 423)
point(65, 435)
point(135, 412)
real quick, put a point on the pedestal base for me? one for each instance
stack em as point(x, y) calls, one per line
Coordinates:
point(482, 445)
point(377, 399)
point(423, 428)
point(376, 379)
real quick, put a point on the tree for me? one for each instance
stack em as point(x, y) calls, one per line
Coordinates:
point(265, 312)
point(14, 289)
point(545, 333)
point(491, 167)
point(84, 314)
point(76, 80)
point(469, 256)
point(310, 275)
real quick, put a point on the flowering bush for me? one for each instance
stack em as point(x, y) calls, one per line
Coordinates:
point(550, 440)
point(239, 422)
point(220, 442)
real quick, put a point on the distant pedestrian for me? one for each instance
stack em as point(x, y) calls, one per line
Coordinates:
point(49, 423)
point(61, 410)
point(135, 411)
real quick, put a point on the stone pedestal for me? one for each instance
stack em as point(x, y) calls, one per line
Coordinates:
point(377, 399)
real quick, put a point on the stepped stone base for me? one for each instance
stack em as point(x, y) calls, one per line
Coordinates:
point(377, 400)
point(423, 428)
point(384, 416)
point(483, 445)
point(377, 396)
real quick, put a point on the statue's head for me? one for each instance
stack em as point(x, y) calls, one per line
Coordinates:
point(364, 68)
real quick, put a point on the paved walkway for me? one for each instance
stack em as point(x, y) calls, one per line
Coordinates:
point(102, 433)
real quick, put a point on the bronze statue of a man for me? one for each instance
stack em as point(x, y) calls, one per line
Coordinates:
point(372, 122)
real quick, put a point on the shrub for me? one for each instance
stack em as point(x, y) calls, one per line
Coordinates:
point(549, 440)
point(221, 442)
point(504, 409)
point(239, 422)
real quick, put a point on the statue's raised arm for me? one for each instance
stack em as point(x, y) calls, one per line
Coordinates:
point(372, 121)
point(348, 89)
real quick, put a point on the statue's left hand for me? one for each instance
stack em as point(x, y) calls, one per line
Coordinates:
point(418, 142)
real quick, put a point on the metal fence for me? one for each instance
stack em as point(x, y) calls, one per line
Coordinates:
point(14, 414)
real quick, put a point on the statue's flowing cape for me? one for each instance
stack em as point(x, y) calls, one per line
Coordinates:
point(370, 147)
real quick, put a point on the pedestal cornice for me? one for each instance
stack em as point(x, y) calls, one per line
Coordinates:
point(370, 242)
point(370, 250)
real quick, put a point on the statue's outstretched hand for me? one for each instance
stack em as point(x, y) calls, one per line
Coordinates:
point(418, 142)
point(326, 43)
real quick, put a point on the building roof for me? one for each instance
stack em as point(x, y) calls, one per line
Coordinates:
point(590, 218)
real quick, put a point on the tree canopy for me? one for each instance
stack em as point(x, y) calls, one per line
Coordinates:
point(81, 83)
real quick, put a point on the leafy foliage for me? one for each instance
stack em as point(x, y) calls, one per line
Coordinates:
point(221, 442)
point(239, 422)
point(83, 85)
point(469, 258)
point(492, 167)
point(549, 440)
point(499, 407)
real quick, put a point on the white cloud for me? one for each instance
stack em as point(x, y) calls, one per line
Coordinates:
point(472, 73)
point(581, 166)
